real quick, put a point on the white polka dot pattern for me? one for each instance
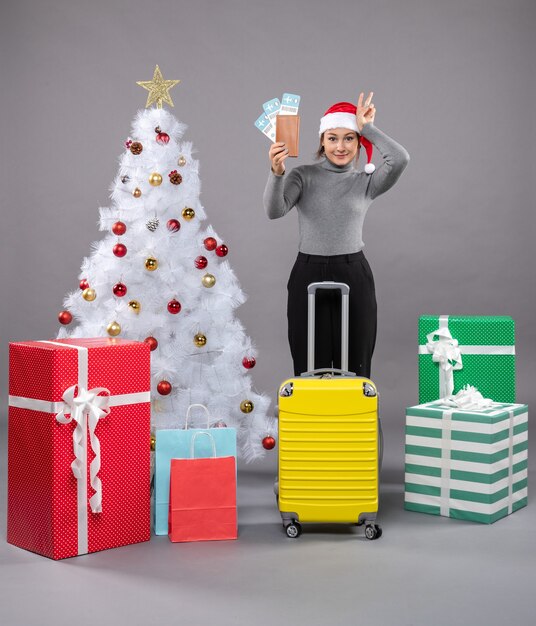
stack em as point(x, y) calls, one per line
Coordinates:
point(42, 491)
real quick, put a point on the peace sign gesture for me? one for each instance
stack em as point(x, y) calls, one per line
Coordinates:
point(365, 111)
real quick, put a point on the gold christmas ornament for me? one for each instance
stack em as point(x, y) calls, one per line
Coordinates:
point(182, 161)
point(188, 213)
point(158, 89)
point(135, 306)
point(137, 192)
point(153, 442)
point(155, 179)
point(200, 340)
point(151, 264)
point(113, 329)
point(208, 280)
point(89, 294)
point(246, 406)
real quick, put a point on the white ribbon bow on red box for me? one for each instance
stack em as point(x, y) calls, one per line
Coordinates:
point(86, 409)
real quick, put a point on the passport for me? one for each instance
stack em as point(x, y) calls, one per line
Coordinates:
point(287, 129)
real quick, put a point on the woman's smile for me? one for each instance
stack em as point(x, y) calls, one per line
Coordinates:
point(340, 145)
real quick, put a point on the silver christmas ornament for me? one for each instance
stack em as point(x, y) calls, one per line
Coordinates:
point(153, 224)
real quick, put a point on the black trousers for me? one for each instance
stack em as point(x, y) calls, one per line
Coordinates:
point(354, 270)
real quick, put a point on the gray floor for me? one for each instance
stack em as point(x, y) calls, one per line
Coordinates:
point(424, 570)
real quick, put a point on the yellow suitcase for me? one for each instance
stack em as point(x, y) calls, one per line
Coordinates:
point(329, 440)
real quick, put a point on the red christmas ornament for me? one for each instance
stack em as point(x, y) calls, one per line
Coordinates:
point(222, 250)
point(153, 343)
point(162, 138)
point(268, 443)
point(201, 262)
point(174, 306)
point(173, 225)
point(120, 249)
point(65, 317)
point(210, 243)
point(84, 284)
point(119, 290)
point(164, 388)
point(249, 362)
point(119, 228)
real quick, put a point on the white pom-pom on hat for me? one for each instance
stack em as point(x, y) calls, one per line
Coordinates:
point(369, 167)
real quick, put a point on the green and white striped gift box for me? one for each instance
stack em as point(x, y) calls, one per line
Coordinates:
point(469, 465)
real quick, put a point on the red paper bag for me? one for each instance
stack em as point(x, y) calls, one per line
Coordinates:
point(202, 497)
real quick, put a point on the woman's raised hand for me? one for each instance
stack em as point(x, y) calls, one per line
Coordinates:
point(366, 111)
point(278, 153)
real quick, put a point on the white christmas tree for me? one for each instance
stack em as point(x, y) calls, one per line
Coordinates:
point(161, 276)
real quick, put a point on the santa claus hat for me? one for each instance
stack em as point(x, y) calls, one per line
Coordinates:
point(342, 115)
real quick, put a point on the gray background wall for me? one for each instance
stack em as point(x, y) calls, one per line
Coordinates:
point(452, 83)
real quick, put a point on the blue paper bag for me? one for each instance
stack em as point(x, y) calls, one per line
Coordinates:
point(175, 444)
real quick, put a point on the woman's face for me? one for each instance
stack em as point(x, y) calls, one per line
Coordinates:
point(340, 145)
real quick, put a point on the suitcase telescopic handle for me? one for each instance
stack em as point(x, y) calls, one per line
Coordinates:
point(328, 370)
point(345, 307)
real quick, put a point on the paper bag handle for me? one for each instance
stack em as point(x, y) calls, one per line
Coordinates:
point(192, 444)
point(188, 414)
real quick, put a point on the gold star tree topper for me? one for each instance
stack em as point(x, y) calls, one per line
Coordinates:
point(158, 89)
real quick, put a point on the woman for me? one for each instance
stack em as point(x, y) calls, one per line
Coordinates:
point(332, 198)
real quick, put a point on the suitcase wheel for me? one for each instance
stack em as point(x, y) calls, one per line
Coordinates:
point(293, 530)
point(373, 531)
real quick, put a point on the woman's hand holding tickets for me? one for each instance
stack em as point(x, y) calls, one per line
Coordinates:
point(365, 111)
point(278, 153)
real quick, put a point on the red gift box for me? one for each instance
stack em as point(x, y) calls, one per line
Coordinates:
point(78, 445)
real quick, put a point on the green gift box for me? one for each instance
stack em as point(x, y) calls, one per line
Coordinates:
point(466, 464)
point(459, 350)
